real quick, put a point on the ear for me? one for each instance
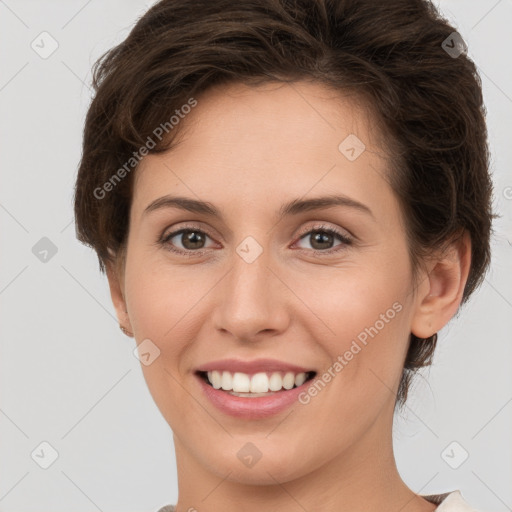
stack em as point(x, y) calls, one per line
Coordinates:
point(116, 284)
point(440, 293)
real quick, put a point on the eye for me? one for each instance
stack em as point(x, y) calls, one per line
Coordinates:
point(322, 237)
point(191, 238)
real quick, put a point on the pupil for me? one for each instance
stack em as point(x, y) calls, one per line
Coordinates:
point(193, 239)
point(322, 238)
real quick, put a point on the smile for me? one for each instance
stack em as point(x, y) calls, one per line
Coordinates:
point(252, 389)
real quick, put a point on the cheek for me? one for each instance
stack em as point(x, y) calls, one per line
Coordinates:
point(374, 341)
point(369, 319)
point(158, 312)
point(167, 307)
point(154, 310)
point(363, 316)
point(155, 294)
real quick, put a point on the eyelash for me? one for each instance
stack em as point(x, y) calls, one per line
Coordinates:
point(346, 240)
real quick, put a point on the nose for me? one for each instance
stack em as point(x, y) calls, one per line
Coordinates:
point(252, 302)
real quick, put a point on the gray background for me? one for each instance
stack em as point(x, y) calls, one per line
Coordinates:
point(68, 375)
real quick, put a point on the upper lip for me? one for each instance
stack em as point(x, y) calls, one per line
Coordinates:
point(249, 367)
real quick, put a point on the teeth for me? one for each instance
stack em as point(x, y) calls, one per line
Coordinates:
point(300, 378)
point(259, 383)
point(241, 383)
point(227, 381)
point(215, 379)
point(275, 382)
point(289, 381)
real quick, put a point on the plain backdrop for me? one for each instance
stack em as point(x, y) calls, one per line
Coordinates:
point(68, 376)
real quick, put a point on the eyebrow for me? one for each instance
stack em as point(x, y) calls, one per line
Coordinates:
point(294, 207)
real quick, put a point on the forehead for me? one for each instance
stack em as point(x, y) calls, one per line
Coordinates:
point(251, 141)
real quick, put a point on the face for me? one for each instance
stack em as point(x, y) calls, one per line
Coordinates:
point(262, 287)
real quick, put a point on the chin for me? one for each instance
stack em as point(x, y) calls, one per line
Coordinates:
point(256, 462)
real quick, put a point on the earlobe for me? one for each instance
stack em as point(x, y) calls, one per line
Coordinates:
point(442, 290)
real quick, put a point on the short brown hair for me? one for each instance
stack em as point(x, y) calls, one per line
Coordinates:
point(394, 54)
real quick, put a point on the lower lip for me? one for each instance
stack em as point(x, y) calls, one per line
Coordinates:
point(252, 408)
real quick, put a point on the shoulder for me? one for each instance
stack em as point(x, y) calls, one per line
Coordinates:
point(450, 502)
point(167, 508)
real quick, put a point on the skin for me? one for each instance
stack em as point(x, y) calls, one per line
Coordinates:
point(249, 150)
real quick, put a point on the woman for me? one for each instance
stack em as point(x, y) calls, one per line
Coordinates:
point(289, 199)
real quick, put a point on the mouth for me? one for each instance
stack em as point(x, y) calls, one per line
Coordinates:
point(255, 385)
point(253, 390)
